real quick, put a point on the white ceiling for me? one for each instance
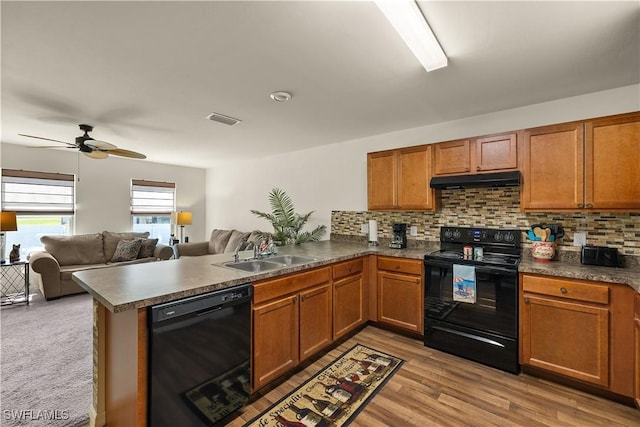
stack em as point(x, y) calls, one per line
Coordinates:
point(145, 74)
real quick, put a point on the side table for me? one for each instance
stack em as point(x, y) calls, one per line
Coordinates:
point(14, 286)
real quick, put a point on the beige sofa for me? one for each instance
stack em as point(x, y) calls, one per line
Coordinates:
point(63, 255)
point(221, 241)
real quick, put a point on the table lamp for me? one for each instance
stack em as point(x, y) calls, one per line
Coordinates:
point(8, 222)
point(182, 219)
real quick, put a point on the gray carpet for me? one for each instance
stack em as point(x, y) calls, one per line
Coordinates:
point(46, 362)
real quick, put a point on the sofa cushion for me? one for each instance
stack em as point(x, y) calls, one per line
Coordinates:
point(218, 241)
point(147, 248)
point(236, 240)
point(126, 250)
point(254, 239)
point(111, 240)
point(78, 249)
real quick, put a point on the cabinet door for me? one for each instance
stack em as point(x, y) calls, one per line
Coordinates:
point(553, 168)
point(348, 304)
point(381, 180)
point(275, 339)
point(497, 152)
point(567, 338)
point(453, 157)
point(400, 300)
point(612, 170)
point(315, 320)
point(414, 175)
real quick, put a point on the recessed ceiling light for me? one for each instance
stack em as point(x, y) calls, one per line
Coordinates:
point(281, 96)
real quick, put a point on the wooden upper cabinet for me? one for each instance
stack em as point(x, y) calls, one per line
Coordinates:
point(592, 165)
point(470, 156)
point(497, 152)
point(414, 174)
point(381, 180)
point(552, 167)
point(612, 169)
point(452, 157)
point(399, 179)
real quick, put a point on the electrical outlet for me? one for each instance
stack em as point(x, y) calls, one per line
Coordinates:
point(364, 228)
point(579, 239)
point(413, 230)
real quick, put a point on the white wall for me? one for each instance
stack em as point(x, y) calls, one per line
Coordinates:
point(334, 177)
point(103, 186)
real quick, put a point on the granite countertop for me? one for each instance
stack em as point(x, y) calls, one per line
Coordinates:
point(141, 285)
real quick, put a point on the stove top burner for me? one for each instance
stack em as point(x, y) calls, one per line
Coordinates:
point(500, 247)
point(487, 258)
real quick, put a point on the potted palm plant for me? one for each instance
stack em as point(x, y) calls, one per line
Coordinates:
point(287, 224)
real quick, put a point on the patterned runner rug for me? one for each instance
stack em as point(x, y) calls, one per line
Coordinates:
point(336, 394)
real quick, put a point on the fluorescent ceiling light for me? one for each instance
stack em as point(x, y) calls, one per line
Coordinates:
point(407, 19)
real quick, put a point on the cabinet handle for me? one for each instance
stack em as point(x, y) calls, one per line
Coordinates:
point(478, 168)
point(580, 205)
point(589, 206)
point(302, 297)
point(466, 169)
point(526, 300)
point(294, 300)
point(350, 268)
point(397, 267)
point(563, 290)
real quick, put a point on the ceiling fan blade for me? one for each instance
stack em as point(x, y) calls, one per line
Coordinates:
point(49, 146)
point(97, 154)
point(126, 153)
point(47, 139)
point(99, 145)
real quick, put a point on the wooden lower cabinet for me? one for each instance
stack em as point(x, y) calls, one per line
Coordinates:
point(578, 329)
point(315, 320)
point(348, 296)
point(291, 321)
point(276, 340)
point(400, 293)
point(567, 338)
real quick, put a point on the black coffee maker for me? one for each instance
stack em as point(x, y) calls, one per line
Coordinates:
point(399, 237)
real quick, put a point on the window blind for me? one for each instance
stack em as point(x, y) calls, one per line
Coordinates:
point(38, 193)
point(152, 197)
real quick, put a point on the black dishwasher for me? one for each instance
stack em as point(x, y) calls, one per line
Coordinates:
point(199, 352)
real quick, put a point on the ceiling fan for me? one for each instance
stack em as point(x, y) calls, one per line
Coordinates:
point(91, 147)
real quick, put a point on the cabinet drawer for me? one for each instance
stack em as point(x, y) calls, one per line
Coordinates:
point(566, 288)
point(347, 268)
point(268, 289)
point(402, 265)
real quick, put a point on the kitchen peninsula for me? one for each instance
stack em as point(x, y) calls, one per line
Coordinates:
point(122, 295)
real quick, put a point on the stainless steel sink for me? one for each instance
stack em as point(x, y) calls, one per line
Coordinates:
point(254, 265)
point(290, 259)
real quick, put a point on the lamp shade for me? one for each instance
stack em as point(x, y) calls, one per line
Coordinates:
point(183, 218)
point(8, 221)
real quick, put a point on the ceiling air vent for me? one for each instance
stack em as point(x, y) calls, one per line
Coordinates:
point(221, 118)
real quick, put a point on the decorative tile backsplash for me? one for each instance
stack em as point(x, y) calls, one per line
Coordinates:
point(499, 208)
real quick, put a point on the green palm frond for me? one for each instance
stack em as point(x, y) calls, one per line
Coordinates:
point(287, 224)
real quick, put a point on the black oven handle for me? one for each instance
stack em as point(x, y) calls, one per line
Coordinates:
point(470, 336)
point(479, 269)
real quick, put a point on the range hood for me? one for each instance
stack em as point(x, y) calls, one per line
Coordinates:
point(496, 179)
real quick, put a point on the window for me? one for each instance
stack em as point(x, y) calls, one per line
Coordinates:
point(44, 204)
point(152, 204)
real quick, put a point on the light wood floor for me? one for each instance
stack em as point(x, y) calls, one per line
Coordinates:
point(437, 389)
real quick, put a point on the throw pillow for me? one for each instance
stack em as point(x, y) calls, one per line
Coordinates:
point(126, 250)
point(147, 248)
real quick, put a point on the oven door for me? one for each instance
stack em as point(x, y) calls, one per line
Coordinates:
point(496, 307)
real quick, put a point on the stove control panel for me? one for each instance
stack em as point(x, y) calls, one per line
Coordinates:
point(501, 236)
